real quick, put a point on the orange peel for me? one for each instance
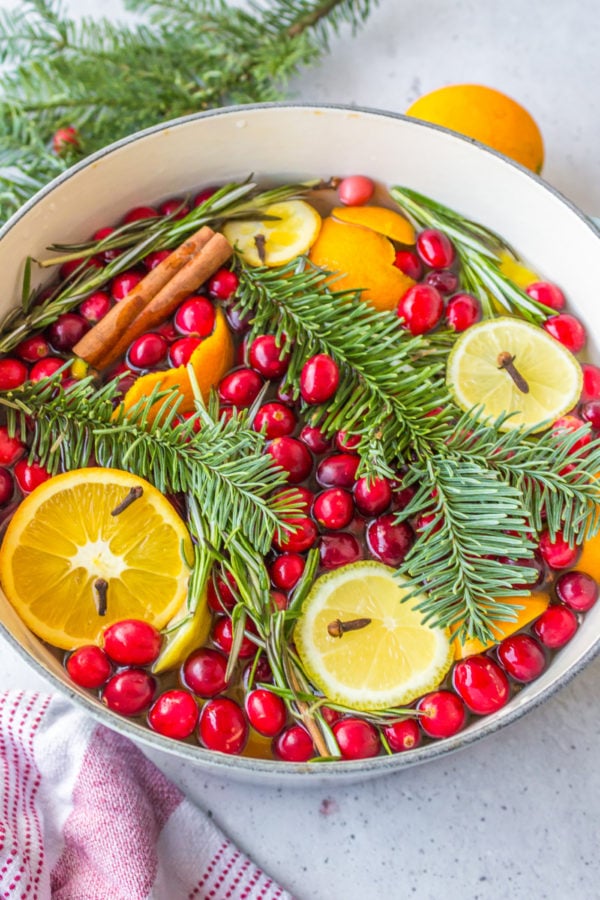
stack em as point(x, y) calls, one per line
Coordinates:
point(532, 607)
point(378, 218)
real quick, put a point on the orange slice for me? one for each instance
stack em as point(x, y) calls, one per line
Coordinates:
point(378, 218)
point(532, 607)
point(589, 561)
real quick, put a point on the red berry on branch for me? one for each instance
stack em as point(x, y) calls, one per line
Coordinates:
point(65, 140)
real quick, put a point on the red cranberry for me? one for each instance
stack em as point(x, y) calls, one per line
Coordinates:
point(285, 394)
point(388, 540)
point(30, 475)
point(174, 713)
point(174, 207)
point(401, 496)
point(123, 284)
point(409, 263)
point(338, 470)
point(286, 570)
point(319, 379)
point(566, 425)
point(64, 140)
point(13, 373)
point(345, 441)
point(274, 420)
point(339, 549)
point(462, 311)
point(314, 439)
point(240, 388)
point(257, 673)
point(445, 281)
point(292, 456)
point(301, 538)
point(547, 293)
point(279, 601)
point(421, 308)
point(356, 738)
point(333, 509)
point(204, 195)
point(95, 307)
point(129, 692)
point(442, 714)
point(522, 657)
point(32, 349)
point(266, 356)
point(147, 351)
point(181, 351)
point(590, 412)
point(106, 255)
point(330, 715)
point(557, 553)
point(372, 496)
point(435, 249)
point(403, 735)
point(88, 666)
point(591, 382)
point(204, 672)
point(7, 487)
point(139, 213)
point(75, 265)
point(266, 712)
point(223, 726)
point(45, 368)
point(223, 284)
point(481, 683)
point(221, 592)
point(556, 626)
point(294, 744)
point(132, 642)
point(577, 590)
point(196, 316)
point(301, 497)
point(11, 448)
point(567, 330)
point(355, 190)
point(68, 329)
point(223, 638)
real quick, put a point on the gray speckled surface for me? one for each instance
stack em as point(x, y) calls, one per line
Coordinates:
point(517, 814)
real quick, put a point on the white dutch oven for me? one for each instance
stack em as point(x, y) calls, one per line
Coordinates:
point(284, 143)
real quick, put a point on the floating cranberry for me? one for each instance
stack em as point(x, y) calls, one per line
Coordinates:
point(444, 280)
point(266, 712)
point(556, 626)
point(257, 672)
point(298, 537)
point(388, 540)
point(294, 744)
point(132, 642)
point(275, 420)
point(435, 249)
point(223, 638)
point(46, 368)
point(591, 382)
point(577, 590)
point(30, 475)
point(106, 255)
point(338, 470)
point(196, 316)
point(442, 714)
point(286, 570)
point(319, 379)
point(203, 672)
point(11, 448)
point(88, 666)
point(403, 735)
point(409, 263)
point(293, 457)
point(240, 388)
point(139, 213)
point(345, 441)
point(221, 592)
point(74, 266)
point(174, 713)
point(203, 195)
point(181, 351)
point(314, 439)
point(421, 308)
point(32, 349)
point(66, 331)
point(522, 657)
point(557, 553)
point(7, 486)
point(223, 726)
point(302, 497)
point(356, 738)
point(13, 373)
point(95, 307)
point(401, 496)
point(279, 601)
point(223, 284)
point(372, 496)
point(152, 260)
point(285, 394)
point(566, 425)
point(547, 293)
point(481, 683)
point(567, 330)
point(355, 190)
point(129, 692)
point(148, 350)
point(333, 509)
point(339, 549)
point(590, 412)
point(462, 311)
point(174, 207)
point(123, 284)
point(267, 357)
point(65, 140)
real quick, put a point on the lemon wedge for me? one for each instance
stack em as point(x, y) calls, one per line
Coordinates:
point(186, 631)
point(291, 231)
point(507, 365)
point(386, 660)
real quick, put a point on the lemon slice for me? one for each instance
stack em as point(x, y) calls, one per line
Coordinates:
point(188, 629)
point(542, 382)
point(64, 537)
point(386, 663)
point(274, 242)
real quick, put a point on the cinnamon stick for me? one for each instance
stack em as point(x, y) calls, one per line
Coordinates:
point(94, 344)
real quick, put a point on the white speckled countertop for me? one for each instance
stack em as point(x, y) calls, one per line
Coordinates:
point(515, 815)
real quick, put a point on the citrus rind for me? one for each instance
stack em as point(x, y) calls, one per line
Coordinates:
point(290, 232)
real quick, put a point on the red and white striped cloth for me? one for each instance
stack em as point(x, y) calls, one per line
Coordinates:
point(86, 816)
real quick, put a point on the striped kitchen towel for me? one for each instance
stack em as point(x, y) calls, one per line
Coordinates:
point(86, 816)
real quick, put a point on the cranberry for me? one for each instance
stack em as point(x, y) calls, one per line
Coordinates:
point(66, 331)
point(409, 263)
point(174, 207)
point(266, 712)
point(13, 373)
point(204, 195)
point(95, 307)
point(223, 638)
point(46, 368)
point(300, 536)
point(566, 425)
point(11, 448)
point(401, 496)
point(132, 642)
point(223, 726)
point(129, 692)
point(445, 281)
point(481, 683)
point(223, 284)
point(221, 592)
point(279, 601)
point(123, 284)
point(356, 738)
point(106, 255)
point(204, 672)
point(442, 714)
point(591, 382)
point(536, 562)
point(421, 308)
point(174, 713)
point(30, 475)
point(319, 379)
point(73, 266)
point(7, 487)
point(257, 672)
point(274, 420)
point(293, 457)
point(294, 744)
point(285, 394)
point(181, 351)
point(286, 570)
point(139, 213)
point(345, 441)
point(147, 351)
point(32, 349)
point(314, 439)
point(266, 356)
point(372, 496)
point(338, 470)
point(389, 540)
point(240, 388)
point(88, 666)
point(64, 140)
point(577, 590)
point(567, 330)
point(355, 190)
point(462, 311)
point(403, 735)
point(590, 412)
point(556, 626)
point(557, 553)
point(547, 293)
point(435, 249)
point(522, 657)
point(333, 508)
point(339, 549)
point(196, 316)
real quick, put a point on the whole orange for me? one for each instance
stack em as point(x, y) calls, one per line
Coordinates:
point(488, 116)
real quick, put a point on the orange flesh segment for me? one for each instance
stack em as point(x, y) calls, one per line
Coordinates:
point(378, 218)
point(589, 561)
point(533, 606)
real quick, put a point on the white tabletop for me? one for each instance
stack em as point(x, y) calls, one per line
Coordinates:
point(515, 815)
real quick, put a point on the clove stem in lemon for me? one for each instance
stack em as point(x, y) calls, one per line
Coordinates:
point(507, 361)
point(100, 597)
point(337, 628)
point(134, 494)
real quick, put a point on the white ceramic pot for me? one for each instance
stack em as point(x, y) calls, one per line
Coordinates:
point(283, 143)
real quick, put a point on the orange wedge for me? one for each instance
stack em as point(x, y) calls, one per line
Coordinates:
point(384, 221)
point(589, 561)
point(532, 607)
